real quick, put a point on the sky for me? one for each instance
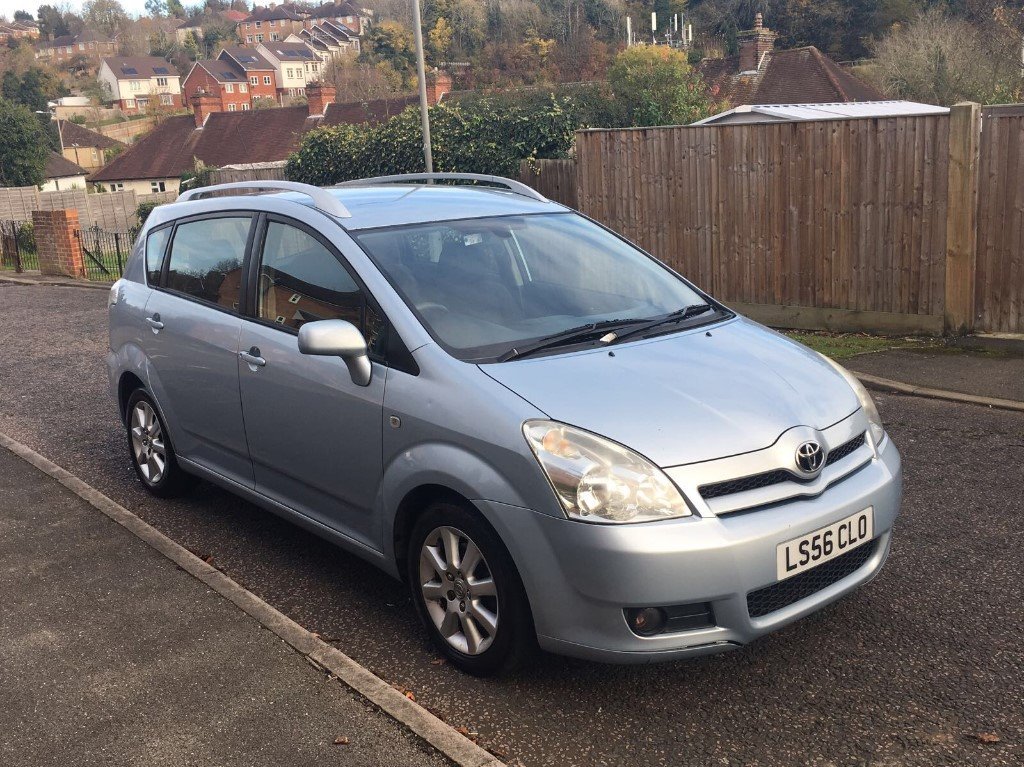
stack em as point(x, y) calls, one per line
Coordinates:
point(8, 7)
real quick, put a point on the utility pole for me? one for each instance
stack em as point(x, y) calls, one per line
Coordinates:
point(417, 27)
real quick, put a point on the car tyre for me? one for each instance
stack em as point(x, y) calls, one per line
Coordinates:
point(476, 612)
point(150, 449)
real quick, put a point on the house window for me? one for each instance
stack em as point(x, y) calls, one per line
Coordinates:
point(248, 38)
point(166, 99)
point(316, 67)
point(116, 186)
point(259, 38)
point(129, 103)
point(157, 186)
point(229, 87)
point(248, 25)
point(273, 23)
point(275, 36)
point(81, 46)
point(135, 85)
point(243, 88)
point(266, 79)
point(254, 79)
point(161, 81)
point(290, 72)
point(245, 107)
point(258, 24)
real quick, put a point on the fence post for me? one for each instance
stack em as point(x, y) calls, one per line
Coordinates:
point(962, 216)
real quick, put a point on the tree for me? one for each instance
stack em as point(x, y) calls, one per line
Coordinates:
point(23, 16)
point(23, 147)
point(393, 43)
point(654, 85)
point(941, 60)
point(56, 21)
point(156, 7)
point(108, 16)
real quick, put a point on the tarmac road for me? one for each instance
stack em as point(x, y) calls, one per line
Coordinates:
point(908, 671)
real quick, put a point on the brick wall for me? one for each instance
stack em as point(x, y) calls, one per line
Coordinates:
point(60, 253)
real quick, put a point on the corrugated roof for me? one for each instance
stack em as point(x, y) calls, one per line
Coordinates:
point(833, 111)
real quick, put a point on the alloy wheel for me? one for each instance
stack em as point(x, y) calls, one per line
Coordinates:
point(459, 590)
point(148, 442)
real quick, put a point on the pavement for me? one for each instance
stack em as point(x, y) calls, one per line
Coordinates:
point(983, 373)
point(113, 655)
point(923, 666)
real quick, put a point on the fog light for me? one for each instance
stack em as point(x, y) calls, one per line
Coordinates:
point(646, 621)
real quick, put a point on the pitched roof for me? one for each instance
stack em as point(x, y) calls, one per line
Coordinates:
point(284, 12)
point(235, 16)
point(133, 67)
point(372, 112)
point(248, 59)
point(78, 135)
point(334, 10)
point(222, 70)
point(58, 166)
point(227, 138)
point(235, 138)
point(794, 76)
point(290, 51)
point(85, 36)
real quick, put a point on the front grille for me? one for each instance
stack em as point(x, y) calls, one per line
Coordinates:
point(768, 478)
point(787, 592)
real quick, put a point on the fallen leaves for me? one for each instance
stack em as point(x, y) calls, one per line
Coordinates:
point(985, 737)
point(341, 740)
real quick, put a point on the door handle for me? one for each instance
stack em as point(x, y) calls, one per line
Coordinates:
point(155, 323)
point(253, 358)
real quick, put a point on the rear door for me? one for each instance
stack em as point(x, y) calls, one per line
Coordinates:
point(314, 436)
point(195, 322)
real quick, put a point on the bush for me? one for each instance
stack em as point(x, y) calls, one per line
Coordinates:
point(655, 85)
point(143, 210)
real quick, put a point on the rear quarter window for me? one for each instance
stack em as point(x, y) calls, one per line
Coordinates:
point(156, 246)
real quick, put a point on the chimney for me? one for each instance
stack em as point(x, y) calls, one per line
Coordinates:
point(439, 83)
point(318, 97)
point(754, 44)
point(203, 104)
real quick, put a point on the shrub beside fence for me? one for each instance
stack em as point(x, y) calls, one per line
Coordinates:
point(17, 246)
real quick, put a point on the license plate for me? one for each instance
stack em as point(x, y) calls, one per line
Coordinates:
point(807, 551)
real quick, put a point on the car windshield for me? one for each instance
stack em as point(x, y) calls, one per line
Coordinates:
point(486, 286)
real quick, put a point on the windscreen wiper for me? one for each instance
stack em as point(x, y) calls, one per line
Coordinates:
point(679, 315)
point(566, 337)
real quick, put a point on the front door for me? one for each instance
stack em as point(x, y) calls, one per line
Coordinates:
point(314, 436)
point(192, 342)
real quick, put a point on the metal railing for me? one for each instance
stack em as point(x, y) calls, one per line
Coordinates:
point(104, 252)
point(17, 246)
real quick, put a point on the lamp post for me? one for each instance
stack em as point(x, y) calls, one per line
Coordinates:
point(60, 133)
point(421, 74)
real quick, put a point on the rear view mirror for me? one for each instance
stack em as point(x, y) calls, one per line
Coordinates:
point(338, 338)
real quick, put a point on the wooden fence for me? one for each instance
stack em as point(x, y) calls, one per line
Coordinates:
point(844, 224)
point(555, 179)
point(114, 211)
point(257, 172)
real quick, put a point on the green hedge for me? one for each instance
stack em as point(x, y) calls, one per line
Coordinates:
point(484, 135)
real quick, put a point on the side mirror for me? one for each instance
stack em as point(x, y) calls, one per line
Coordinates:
point(337, 338)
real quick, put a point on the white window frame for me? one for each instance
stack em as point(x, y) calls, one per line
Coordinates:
point(243, 87)
point(266, 79)
point(245, 107)
point(161, 81)
point(254, 79)
point(232, 107)
point(229, 87)
point(157, 186)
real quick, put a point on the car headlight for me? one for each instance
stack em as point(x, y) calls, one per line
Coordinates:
point(874, 419)
point(597, 480)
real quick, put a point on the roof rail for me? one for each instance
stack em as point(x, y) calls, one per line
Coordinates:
point(322, 199)
point(412, 178)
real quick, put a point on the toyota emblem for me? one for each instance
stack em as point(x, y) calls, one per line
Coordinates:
point(810, 457)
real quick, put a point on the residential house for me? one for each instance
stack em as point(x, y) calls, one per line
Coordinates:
point(295, 65)
point(222, 79)
point(762, 75)
point(194, 24)
point(218, 139)
point(84, 147)
point(261, 73)
point(344, 14)
point(136, 83)
point(89, 44)
point(18, 30)
point(272, 23)
point(327, 39)
point(61, 174)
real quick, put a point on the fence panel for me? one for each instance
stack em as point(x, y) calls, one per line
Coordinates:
point(999, 284)
point(260, 172)
point(18, 202)
point(844, 214)
point(555, 179)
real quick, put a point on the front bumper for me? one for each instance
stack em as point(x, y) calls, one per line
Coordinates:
point(579, 576)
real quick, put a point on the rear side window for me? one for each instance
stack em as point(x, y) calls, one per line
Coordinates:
point(156, 246)
point(206, 259)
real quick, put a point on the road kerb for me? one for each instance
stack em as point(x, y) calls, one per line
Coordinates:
point(455, 746)
point(886, 384)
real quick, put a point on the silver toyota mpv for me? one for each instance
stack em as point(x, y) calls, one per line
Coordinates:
point(552, 437)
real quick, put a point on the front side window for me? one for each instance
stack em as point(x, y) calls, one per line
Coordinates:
point(485, 286)
point(302, 281)
point(156, 245)
point(266, 79)
point(206, 259)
